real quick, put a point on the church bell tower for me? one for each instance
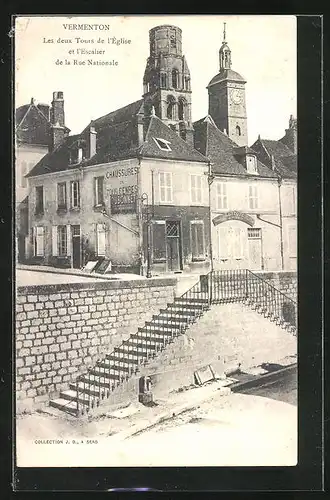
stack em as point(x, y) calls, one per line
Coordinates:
point(227, 104)
point(166, 81)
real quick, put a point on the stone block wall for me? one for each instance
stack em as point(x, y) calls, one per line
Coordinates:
point(61, 330)
point(285, 281)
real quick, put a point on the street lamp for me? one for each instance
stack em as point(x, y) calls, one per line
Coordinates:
point(144, 199)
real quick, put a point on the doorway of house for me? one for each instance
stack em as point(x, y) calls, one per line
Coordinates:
point(173, 246)
point(255, 249)
point(21, 248)
point(76, 247)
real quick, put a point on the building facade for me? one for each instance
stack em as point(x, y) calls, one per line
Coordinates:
point(152, 192)
point(35, 125)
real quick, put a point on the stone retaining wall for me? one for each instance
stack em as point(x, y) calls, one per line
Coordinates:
point(63, 329)
point(284, 281)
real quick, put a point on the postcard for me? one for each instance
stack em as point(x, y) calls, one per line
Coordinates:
point(156, 240)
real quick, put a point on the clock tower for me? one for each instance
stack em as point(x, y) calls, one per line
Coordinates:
point(227, 104)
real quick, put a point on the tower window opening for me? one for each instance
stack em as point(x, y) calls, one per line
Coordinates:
point(173, 41)
point(163, 80)
point(181, 109)
point(187, 83)
point(170, 108)
point(238, 130)
point(175, 79)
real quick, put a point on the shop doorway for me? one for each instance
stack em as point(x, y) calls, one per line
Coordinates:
point(173, 246)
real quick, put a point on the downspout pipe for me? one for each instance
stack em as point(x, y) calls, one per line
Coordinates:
point(210, 179)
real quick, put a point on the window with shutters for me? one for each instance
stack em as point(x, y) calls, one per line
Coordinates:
point(292, 230)
point(253, 197)
point(222, 200)
point(99, 191)
point(291, 200)
point(197, 240)
point(39, 241)
point(100, 240)
point(62, 244)
point(165, 187)
point(75, 194)
point(39, 200)
point(196, 189)
point(158, 241)
point(61, 196)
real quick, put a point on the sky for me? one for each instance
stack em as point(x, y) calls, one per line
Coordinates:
point(263, 52)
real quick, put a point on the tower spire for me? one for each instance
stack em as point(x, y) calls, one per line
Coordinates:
point(224, 52)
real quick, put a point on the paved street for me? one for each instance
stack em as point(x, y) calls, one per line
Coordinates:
point(257, 428)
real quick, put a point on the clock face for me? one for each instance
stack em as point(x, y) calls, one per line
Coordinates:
point(236, 96)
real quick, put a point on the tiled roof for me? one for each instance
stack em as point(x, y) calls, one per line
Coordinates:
point(179, 149)
point(277, 148)
point(117, 139)
point(285, 159)
point(32, 124)
point(220, 150)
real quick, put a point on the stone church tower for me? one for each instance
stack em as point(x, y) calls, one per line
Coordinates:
point(166, 81)
point(227, 104)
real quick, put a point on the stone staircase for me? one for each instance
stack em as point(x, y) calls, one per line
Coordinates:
point(117, 367)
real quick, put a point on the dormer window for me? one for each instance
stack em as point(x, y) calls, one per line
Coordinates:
point(251, 164)
point(162, 144)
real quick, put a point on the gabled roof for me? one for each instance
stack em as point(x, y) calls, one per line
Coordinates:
point(285, 159)
point(221, 151)
point(32, 124)
point(178, 148)
point(117, 139)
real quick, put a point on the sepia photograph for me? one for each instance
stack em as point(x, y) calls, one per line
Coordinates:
point(156, 241)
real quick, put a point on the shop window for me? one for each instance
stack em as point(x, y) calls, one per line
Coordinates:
point(231, 243)
point(196, 189)
point(158, 241)
point(165, 187)
point(39, 200)
point(197, 240)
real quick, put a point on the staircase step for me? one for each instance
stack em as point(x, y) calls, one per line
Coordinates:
point(176, 318)
point(166, 321)
point(71, 395)
point(153, 338)
point(141, 345)
point(187, 305)
point(178, 310)
point(119, 359)
point(129, 352)
point(191, 300)
point(107, 365)
point(96, 381)
point(154, 328)
point(65, 405)
point(91, 390)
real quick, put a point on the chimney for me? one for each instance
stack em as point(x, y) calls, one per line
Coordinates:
point(140, 128)
point(91, 143)
point(57, 120)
